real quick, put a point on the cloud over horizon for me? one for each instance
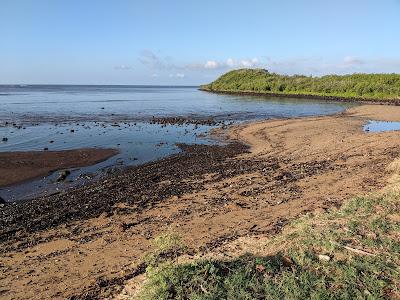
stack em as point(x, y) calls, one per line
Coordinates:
point(150, 59)
point(316, 66)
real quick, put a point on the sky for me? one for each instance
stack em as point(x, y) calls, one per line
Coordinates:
point(173, 42)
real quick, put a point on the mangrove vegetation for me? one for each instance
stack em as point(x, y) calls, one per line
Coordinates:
point(356, 86)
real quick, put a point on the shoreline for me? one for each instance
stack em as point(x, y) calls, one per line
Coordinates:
point(23, 166)
point(90, 238)
point(394, 102)
point(44, 213)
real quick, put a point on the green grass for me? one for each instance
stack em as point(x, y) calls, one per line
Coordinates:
point(356, 86)
point(296, 270)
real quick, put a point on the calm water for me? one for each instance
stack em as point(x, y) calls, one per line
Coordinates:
point(118, 117)
point(381, 126)
point(53, 103)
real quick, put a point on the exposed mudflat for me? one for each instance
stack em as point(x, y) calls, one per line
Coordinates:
point(17, 167)
point(85, 243)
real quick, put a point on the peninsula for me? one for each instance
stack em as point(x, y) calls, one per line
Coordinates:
point(383, 88)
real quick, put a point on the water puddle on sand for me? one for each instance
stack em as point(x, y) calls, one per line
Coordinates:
point(381, 126)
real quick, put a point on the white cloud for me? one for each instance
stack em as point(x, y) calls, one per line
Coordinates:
point(249, 63)
point(156, 62)
point(241, 63)
point(148, 58)
point(230, 62)
point(323, 66)
point(352, 61)
point(296, 65)
point(211, 64)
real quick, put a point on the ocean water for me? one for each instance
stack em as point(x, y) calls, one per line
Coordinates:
point(40, 116)
point(70, 103)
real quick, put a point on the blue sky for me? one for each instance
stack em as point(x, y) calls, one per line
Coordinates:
point(192, 42)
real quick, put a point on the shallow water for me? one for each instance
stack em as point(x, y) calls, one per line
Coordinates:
point(38, 117)
point(66, 103)
point(381, 126)
point(137, 143)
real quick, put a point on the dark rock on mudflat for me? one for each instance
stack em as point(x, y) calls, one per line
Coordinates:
point(137, 186)
point(180, 121)
point(63, 175)
point(2, 201)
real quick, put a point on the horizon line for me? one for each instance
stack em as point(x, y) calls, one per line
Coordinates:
point(79, 84)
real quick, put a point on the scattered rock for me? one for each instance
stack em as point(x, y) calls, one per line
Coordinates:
point(185, 121)
point(63, 175)
point(139, 186)
point(323, 257)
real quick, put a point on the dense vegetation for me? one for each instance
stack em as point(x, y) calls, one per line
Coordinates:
point(349, 253)
point(357, 86)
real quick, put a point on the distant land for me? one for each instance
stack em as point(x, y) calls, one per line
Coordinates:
point(364, 87)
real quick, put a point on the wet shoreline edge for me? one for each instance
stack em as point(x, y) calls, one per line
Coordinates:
point(394, 102)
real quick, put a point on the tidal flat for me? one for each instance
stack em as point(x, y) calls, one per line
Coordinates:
point(140, 123)
point(266, 175)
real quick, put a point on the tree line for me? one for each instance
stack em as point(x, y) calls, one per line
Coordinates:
point(362, 86)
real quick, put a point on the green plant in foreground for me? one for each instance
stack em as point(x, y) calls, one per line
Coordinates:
point(166, 247)
point(350, 253)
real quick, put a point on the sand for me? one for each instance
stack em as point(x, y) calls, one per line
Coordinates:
point(294, 166)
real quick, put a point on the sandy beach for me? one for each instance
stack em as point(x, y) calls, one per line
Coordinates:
point(144, 156)
point(88, 242)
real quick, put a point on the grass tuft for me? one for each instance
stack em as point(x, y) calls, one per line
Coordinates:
point(349, 253)
point(166, 247)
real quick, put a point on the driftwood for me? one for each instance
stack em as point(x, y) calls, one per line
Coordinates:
point(358, 251)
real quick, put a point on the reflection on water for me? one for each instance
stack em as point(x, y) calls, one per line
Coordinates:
point(69, 103)
point(381, 126)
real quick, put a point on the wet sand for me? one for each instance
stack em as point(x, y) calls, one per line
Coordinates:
point(17, 167)
point(87, 242)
